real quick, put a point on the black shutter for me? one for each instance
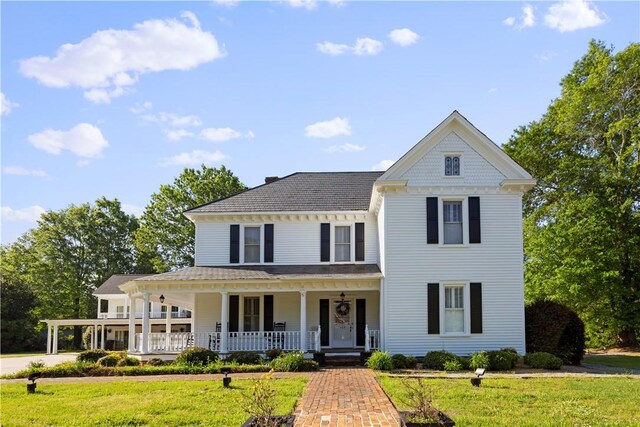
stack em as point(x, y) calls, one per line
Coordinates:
point(324, 322)
point(268, 313)
point(234, 313)
point(361, 320)
point(359, 241)
point(474, 219)
point(325, 242)
point(433, 308)
point(234, 254)
point(268, 243)
point(432, 220)
point(476, 308)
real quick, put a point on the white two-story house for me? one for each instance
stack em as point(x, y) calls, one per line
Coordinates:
point(425, 256)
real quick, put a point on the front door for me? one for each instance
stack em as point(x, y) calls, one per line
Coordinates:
point(343, 330)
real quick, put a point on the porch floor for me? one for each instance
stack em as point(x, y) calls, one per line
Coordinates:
point(345, 397)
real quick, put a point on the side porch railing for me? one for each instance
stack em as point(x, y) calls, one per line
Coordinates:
point(371, 339)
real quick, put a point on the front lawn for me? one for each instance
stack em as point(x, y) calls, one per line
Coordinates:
point(157, 403)
point(532, 401)
point(630, 361)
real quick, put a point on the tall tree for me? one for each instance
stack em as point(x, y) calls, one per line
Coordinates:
point(582, 220)
point(74, 250)
point(165, 234)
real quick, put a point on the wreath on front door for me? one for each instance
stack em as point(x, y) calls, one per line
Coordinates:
point(343, 309)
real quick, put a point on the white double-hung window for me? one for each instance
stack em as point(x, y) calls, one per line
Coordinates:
point(452, 220)
point(251, 244)
point(454, 315)
point(343, 243)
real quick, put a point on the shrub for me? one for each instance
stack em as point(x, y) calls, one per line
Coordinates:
point(244, 358)
point(110, 360)
point(380, 361)
point(288, 362)
point(197, 356)
point(554, 328)
point(128, 361)
point(452, 365)
point(436, 359)
point(273, 353)
point(91, 355)
point(400, 361)
point(479, 359)
point(35, 364)
point(543, 360)
point(155, 362)
point(501, 360)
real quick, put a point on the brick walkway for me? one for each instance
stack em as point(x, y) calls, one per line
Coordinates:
point(345, 397)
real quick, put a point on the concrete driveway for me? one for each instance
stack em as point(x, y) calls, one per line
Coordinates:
point(10, 365)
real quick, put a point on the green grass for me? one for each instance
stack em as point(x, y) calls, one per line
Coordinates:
point(616, 360)
point(533, 401)
point(127, 403)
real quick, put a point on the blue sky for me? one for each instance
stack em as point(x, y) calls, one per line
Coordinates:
point(115, 98)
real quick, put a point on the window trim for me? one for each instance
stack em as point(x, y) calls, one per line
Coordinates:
point(466, 294)
point(458, 154)
point(465, 221)
point(242, 243)
point(352, 243)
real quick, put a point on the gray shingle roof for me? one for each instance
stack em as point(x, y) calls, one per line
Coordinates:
point(269, 272)
point(302, 191)
point(110, 286)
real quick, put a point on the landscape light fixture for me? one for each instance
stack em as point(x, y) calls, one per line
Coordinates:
point(161, 299)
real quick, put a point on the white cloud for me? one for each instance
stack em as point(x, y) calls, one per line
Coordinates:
point(367, 46)
point(403, 37)
point(172, 119)
point(383, 165)
point(333, 48)
point(141, 108)
point(302, 4)
point(492, 90)
point(572, 15)
point(109, 62)
point(363, 46)
point(21, 171)
point(226, 3)
point(30, 214)
point(337, 3)
point(132, 209)
point(544, 56)
point(328, 129)
point(83, 140)
point(177, 134)
point(345, 148)
point(223, 134)
point(526, 20)
point(6, 105)
point(194, 158)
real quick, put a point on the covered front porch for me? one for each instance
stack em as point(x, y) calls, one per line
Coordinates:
point(308, 312)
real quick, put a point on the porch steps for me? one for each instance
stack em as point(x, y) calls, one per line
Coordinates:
point(342, 359)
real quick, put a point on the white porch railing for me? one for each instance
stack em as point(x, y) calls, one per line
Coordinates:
point(175, 342)
point(371, 339)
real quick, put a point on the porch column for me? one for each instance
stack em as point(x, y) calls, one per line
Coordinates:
point(168, 327)
point(102, 346)
point(303, 321)
point(132, 324)
point(224, 316)
point(145, 324)
point(383, 329)
point(48, 338)
point(94, 338)
point(54, 350)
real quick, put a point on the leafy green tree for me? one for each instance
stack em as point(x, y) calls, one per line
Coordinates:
point(582, 220)
point(165, 234)
point(74, 250)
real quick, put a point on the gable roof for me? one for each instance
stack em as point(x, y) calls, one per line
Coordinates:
point(111, 285)
point(456, 122)
point(301, 192)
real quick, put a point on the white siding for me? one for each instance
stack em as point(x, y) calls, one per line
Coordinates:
point(475, 169)
point(294, 242)
point(411, 264)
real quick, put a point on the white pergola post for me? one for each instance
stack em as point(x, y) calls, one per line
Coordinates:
point(303, 321)
point(224, 324)
point(132, 324)
point(48, 338)
point(168, 327)
point(54, 350)
point(145, 324)
point(102, 345)
point(94, 338)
